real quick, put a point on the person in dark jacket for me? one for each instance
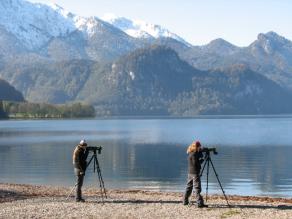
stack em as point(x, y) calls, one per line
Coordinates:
point(79, 162)
point(195, 158)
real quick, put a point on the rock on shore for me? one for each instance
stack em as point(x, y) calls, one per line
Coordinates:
point(29, 201)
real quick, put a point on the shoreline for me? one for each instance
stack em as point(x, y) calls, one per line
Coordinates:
point(30, 191)
point(18, 200)
point(151, 117)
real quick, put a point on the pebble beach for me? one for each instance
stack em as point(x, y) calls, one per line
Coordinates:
point(31, 201)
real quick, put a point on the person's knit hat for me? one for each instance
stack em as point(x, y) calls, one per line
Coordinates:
point(83, 142)
point(198, 144)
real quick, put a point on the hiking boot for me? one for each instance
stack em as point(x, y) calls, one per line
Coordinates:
point(80, 200)
point(202, 206)
point(185, 203)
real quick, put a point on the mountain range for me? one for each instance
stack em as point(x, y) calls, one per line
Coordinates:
point(270, 55)
point(128, 67)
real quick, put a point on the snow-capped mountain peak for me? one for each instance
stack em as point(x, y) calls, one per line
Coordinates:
point(61, 10)
point(118, 21)
point(89, 25)
point(34, 24)
point(139, 28)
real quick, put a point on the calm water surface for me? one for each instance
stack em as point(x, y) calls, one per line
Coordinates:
point(255, 153)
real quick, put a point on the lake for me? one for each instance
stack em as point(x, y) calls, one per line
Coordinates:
point(254, 153)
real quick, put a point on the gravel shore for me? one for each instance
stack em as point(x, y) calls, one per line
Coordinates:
point(29, 201)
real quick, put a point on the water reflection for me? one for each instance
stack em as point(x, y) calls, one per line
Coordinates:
point(151, 154)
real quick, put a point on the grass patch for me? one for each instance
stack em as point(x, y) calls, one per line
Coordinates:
point(229, 213)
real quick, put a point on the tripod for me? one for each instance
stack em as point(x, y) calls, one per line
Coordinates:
point(96, 168)
point(207, 162)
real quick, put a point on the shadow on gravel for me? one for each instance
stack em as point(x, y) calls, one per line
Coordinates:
point(280, 207)
point(139, 201)
point(8, 196)
point(212, 206)
point(136, 202)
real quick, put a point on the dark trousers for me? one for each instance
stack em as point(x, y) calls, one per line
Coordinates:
point(79, 183)
point(193, 184)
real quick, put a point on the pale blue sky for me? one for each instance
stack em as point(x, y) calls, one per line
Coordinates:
point(197, 21)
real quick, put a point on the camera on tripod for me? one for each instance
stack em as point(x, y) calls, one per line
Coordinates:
point(208, 150)
point(94, 149)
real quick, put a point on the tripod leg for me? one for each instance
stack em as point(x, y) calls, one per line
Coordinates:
point(71, 191)
point(207, 186)
point(203, 168)
point(94, 165)
point(219, 182)
point(101, 183)
point(89, 161)
point(103, 187)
